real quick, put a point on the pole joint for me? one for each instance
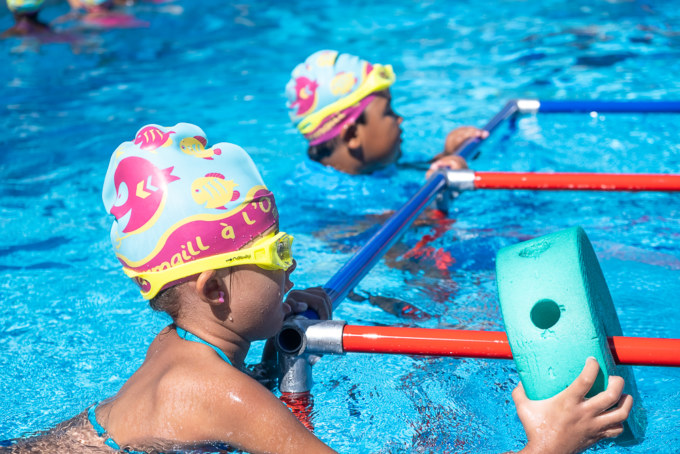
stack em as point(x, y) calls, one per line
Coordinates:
point(300, 343)
point(457, 181)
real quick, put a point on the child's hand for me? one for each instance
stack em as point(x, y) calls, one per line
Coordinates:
point(314, 298)
point(453, 162)
point(568, 422)
point(458, 136)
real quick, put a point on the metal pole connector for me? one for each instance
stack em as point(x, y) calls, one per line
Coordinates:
point(299, 343)
point(303, 336)
point(457, 181)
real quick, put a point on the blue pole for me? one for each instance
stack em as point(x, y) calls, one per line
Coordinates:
point(506, 112)
point(609, 106)
point(347, 277)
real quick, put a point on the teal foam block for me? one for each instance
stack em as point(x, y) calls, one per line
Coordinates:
point(557, 312)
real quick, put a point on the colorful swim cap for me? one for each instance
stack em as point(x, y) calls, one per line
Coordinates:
point(329, 91)
point(24, 6)
point(92, 3)
point(176, 201)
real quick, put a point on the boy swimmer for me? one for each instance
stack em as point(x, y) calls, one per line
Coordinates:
point(197, 230)
point(26, 20)
point(342, 105)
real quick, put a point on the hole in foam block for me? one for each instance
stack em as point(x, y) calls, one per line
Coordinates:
point(536, 249)
point(545, 314)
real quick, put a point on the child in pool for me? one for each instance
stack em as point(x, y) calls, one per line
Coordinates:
point(26, 20)
point(101, 14)
point(197, 231)
point(342, 105)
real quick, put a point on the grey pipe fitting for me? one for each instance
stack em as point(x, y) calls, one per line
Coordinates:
point(300, 336)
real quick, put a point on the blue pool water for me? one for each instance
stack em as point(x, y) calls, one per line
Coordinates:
point(72, 328)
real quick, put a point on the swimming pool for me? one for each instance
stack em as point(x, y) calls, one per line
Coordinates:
point(72, 328)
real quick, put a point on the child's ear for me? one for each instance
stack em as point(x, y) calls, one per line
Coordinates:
point(210, 288)
point(351, 137)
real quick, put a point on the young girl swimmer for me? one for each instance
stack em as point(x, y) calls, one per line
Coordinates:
point(26, 20)
point(342, 105)
point(197, 230)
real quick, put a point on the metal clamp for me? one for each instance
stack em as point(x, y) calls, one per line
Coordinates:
point(299, 343)
point(457, 181)
point(303, 336)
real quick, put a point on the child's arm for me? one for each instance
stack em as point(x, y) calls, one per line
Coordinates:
point(449, 158)
point(244, 414)
point(568, 422)
point(458, 136)
point(453, 162)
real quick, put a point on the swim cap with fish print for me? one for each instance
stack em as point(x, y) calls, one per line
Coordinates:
point(329, 90)
point(24, 6)
point(176, 200)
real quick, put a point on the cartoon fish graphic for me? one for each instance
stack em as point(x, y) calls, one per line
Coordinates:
point(305, 90)
point(214, 191)
point(342, 83)
point(326, 58)
point(195, 146)
point(151, 138)
point(141, 189)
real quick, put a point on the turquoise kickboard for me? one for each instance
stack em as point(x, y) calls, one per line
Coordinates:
point(557, 312)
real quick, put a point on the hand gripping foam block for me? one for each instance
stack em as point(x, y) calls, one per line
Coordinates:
point(557, 312)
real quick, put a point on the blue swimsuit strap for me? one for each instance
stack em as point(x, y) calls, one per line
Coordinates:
point(186, 335)
point(110, 442)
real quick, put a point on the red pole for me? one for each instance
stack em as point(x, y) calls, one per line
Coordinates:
point(577, 181)
point(633, 351)
point(301, 404)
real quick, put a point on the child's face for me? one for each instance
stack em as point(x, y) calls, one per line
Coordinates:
point(257, 306)
point(381, 134)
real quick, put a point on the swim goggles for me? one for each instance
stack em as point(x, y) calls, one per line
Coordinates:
point(380, 78)
point(273, 252)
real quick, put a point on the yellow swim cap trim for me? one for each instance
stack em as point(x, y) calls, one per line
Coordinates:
point(380, 78)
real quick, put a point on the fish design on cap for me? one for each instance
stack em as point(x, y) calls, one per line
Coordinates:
point(195, 146)
point(141, 188)
point(151, 138)
point(305, 90)
point(214, 191)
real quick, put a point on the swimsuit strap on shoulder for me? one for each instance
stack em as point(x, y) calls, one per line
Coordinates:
point(186, 335)
point(92, 416)
point(110, 442)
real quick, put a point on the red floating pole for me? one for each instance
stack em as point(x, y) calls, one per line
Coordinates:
point(577, 181)
point(422, 341)
point(645, 351)
point(301, 404)
point(631, 351)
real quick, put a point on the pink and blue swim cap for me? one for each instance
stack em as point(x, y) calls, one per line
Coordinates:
point(330, 90)
point(175, 201)
point(24, 6)
point(94, 3)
